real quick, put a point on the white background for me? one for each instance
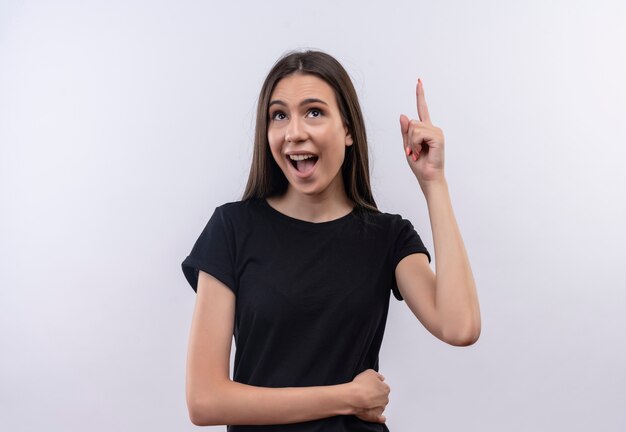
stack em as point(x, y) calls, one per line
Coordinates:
point(123, 124)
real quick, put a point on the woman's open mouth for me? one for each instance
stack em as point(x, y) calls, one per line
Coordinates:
point(303, 163)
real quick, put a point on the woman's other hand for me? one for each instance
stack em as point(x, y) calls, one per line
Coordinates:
point(371, 396)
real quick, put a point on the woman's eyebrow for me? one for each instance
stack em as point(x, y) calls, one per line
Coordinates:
point(304, 102)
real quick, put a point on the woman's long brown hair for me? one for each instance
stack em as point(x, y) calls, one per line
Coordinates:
point(266, 178)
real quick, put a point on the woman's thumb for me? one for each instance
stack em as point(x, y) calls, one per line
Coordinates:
point(404, 129)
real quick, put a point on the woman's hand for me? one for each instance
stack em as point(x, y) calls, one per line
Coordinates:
point(423, 142)
point(371, 396)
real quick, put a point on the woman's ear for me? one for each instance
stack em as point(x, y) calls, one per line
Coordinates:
point(349, 141)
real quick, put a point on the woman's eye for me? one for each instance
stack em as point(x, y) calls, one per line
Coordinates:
point(314, 112)
point(278, 115)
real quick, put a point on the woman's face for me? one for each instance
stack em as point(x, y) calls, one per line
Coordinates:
point(306, 133)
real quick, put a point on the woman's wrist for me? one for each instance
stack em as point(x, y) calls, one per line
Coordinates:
point(433, 187)
point(345, 394)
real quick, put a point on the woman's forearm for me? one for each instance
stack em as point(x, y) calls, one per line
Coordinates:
point(456, 299)
point(235, 403)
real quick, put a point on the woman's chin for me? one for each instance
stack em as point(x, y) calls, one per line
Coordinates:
point(317, 186)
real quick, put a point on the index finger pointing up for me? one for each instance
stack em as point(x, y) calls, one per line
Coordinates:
point(422, 108)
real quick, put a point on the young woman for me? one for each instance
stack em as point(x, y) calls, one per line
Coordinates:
point(302, 268)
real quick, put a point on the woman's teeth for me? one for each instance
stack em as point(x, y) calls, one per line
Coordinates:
point(303, 162)
point(300, 157)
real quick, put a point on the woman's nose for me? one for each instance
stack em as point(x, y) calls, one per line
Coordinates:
point(295, 131)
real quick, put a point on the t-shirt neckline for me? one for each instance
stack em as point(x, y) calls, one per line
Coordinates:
point(307, 224)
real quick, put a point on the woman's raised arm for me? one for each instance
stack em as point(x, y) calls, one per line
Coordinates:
point(447, 304)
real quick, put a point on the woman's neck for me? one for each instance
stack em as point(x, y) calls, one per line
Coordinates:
point(324, 207)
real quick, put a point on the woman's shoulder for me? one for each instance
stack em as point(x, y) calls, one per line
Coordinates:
point(235, 210)
point(381, 218)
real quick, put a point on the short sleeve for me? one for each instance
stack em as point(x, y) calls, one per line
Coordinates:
point(407, 242)
point(213, 253)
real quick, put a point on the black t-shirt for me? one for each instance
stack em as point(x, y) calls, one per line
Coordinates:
point(311, 298)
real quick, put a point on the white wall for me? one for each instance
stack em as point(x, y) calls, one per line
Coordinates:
point(124, 124)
